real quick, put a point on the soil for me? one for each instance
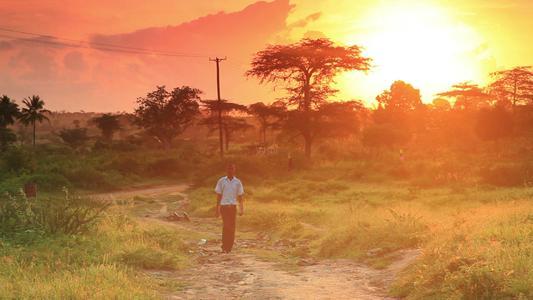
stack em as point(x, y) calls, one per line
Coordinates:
point(243, 274)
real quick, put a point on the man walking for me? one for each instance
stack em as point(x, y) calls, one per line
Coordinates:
point(230, 193)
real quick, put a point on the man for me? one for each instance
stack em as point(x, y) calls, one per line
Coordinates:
point(230, 193)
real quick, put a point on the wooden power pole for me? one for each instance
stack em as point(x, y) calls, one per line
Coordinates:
point(220, 134)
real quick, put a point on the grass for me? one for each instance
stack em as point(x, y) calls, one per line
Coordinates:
point(476, 237)
point(102, 264)
point(476, 240)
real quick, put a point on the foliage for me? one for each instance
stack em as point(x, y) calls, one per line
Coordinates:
point(467, 96)
point(401, 97)
point(308, 68)
point(33, 112)
point(514, 86)
point(270, 116)
point(74, 137)
point(165, 115)
point(9, 111)
point(108, 125)
point(66, 215)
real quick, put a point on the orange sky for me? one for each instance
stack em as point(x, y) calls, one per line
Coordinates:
point(430, 43)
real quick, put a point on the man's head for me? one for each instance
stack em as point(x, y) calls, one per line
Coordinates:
point(230, 170)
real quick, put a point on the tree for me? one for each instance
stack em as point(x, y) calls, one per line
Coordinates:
point(220, 118)
point(74, 137)
point(401, 107)
point(33, 112)
point(467, 96)
point(9, 113)
point(514, 85)
point(108, 125)
point(164, 115)
point(269, 116)
point(307, 68)
point(441, 104)
point(401, 97)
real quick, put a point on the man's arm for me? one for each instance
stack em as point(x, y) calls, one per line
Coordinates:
point(241, 205)
point(217, 207)
point(240, 199)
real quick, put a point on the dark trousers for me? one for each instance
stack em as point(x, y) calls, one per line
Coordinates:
point(229, 216)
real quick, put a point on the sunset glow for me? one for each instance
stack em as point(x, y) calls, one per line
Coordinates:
point(422, 45)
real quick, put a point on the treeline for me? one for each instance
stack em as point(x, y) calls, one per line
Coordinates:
point(459, 117)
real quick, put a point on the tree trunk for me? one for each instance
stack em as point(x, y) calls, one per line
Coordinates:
point(307, 117)
point(33, 134)
point(308, 143)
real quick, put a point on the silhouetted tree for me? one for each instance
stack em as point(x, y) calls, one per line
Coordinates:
point(514, 86)
point(9, 113)
point(228, 122)
point(467, 96)
point(307, 68)
point(402, 107)
point(33, 112)
point(164, 115)
point(401, 97)
point(108, 125)
point(269, 116)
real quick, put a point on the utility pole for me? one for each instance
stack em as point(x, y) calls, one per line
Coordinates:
point(220, 135)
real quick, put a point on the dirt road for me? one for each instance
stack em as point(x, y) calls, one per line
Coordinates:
point(244, 274)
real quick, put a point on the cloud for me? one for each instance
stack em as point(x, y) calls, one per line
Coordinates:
point(110, 81)
point(305, 21)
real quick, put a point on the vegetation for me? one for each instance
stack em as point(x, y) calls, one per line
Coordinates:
point(452, 178)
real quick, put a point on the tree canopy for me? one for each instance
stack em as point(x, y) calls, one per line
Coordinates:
point(307, 69)
point(165, 115)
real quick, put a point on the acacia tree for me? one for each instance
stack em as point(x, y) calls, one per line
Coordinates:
point(9, 113)
point(307, 68)
point(108, 125)
point(269, 116)
point(33, 112)
point(219, 118)
point(164, 115)
point(467, 96)
point(514, 85)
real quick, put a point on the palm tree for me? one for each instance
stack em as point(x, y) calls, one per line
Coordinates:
point(9, 111)
point(33, 112)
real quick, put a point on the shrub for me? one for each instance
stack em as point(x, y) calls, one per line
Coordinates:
point(18, 160)
point(66, 215)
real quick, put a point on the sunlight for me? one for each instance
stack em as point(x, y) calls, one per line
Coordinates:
point(422, 45)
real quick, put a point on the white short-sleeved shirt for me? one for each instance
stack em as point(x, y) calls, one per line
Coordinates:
point(229, 189)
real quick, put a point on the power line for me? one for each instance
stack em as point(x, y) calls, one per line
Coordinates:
point(92, 45)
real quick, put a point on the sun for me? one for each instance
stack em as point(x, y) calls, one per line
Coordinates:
point(422, 45)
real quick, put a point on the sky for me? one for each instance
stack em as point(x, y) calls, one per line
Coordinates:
point(431, 44)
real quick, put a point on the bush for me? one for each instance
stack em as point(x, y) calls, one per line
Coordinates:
point(17, 160)
point(66, 215)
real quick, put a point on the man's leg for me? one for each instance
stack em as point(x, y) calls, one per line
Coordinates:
point(229, 215)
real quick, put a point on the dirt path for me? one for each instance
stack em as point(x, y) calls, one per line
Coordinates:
point(245, 275)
